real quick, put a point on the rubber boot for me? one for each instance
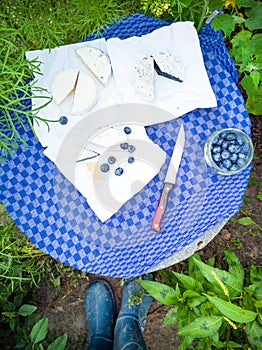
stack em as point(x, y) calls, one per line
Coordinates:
point(132, 317)
point(99, 307)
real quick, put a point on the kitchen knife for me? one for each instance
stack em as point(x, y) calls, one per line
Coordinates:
point(170, 180)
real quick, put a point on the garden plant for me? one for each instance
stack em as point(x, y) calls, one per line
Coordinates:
point(214, 308)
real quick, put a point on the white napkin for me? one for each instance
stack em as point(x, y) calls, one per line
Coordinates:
point(178, 98)
point(55, 61)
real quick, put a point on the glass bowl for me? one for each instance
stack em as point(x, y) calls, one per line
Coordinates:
point(228, 151)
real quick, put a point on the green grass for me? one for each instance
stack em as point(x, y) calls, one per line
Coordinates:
point(35, 25)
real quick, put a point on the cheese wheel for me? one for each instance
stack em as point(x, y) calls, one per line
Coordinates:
point(143, 77)
point(169, 66)
point(64, 84)
point(96, 61)
point(85, 95)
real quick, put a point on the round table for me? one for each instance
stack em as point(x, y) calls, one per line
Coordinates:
point(59, 221)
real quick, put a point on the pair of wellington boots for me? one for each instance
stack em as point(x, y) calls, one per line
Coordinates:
point(105, 331)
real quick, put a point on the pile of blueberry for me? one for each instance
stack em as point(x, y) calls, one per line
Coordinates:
point(229, 151)
point(105, 167)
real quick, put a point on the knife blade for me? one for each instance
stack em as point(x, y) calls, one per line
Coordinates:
point(170, 180)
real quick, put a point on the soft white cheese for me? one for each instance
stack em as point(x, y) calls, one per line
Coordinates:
point(64, 84)
point(96, 61)
point(169, 66)
point(85, 95)
point(143, 77)
point(109, 136)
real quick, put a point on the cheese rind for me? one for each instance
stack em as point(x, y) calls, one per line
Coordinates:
point(169, 66)
point(143, 77)
point(85, 95)
point(64, 84)
point(97, 62)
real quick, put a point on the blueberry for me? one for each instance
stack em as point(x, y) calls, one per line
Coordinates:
point(124, 145)
point(242, 156)
point(104, 167)
point(238, 148)
point(215, 140)
point(225, 154)
point(220, 141)
point(233, 157)
point(127, 130)
point(225, 144)
point(131, 148)
point(119, 171)
point(230, 136)
point(241, 162)
point(216, 149)
point(111, 160)
point(239, 140)
point(222, 167)
point(227, 163)
point(131, 160)
point(234, 167)
point(232, 148)
point(223, 134)
point(63, 120)
point(217, 157)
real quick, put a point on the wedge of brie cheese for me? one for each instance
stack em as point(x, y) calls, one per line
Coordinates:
point(108, 136)
point(143, 77)
point(85, 95)
point(96, 61)
point(169, 66)
point(64, 84)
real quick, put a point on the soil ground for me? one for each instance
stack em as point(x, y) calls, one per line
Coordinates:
point(64, 308)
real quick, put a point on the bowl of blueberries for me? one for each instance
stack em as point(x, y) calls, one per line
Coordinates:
point(228, 151)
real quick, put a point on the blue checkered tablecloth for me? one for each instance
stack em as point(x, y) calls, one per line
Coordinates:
point(58, 220)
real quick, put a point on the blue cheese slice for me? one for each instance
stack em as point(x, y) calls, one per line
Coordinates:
point(97, 63)
point(169, 66)
point(85, 96)
point(143, 78)
point(64, 84)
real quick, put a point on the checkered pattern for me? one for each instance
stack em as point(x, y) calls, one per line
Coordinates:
point(56, 218)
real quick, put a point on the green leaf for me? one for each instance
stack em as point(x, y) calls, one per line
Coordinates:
point(246, 221)
point(39, 331)
point(27, 310)
point(170, 318)
point(232, 283)
point(245, 3)
point(161, 292)
point(189, 282)
point(254, 100)
point(255, 20)
point(232, 311)
point(202, 327)
point(193, 269)
point(256, 44)
point(234, 265)
point(224, 22)
point(59, 343)
point(241, 47)
point(232, 345)
point(254, 334)
point(193, 302)
point(255, 274)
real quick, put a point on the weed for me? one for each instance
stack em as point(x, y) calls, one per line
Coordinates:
point(213, 308)
point(241, 24)
point(237, 243)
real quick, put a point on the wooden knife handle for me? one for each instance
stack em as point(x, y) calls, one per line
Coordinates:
point(161, 207)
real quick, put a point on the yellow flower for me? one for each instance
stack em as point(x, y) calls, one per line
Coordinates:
point(231, 3)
